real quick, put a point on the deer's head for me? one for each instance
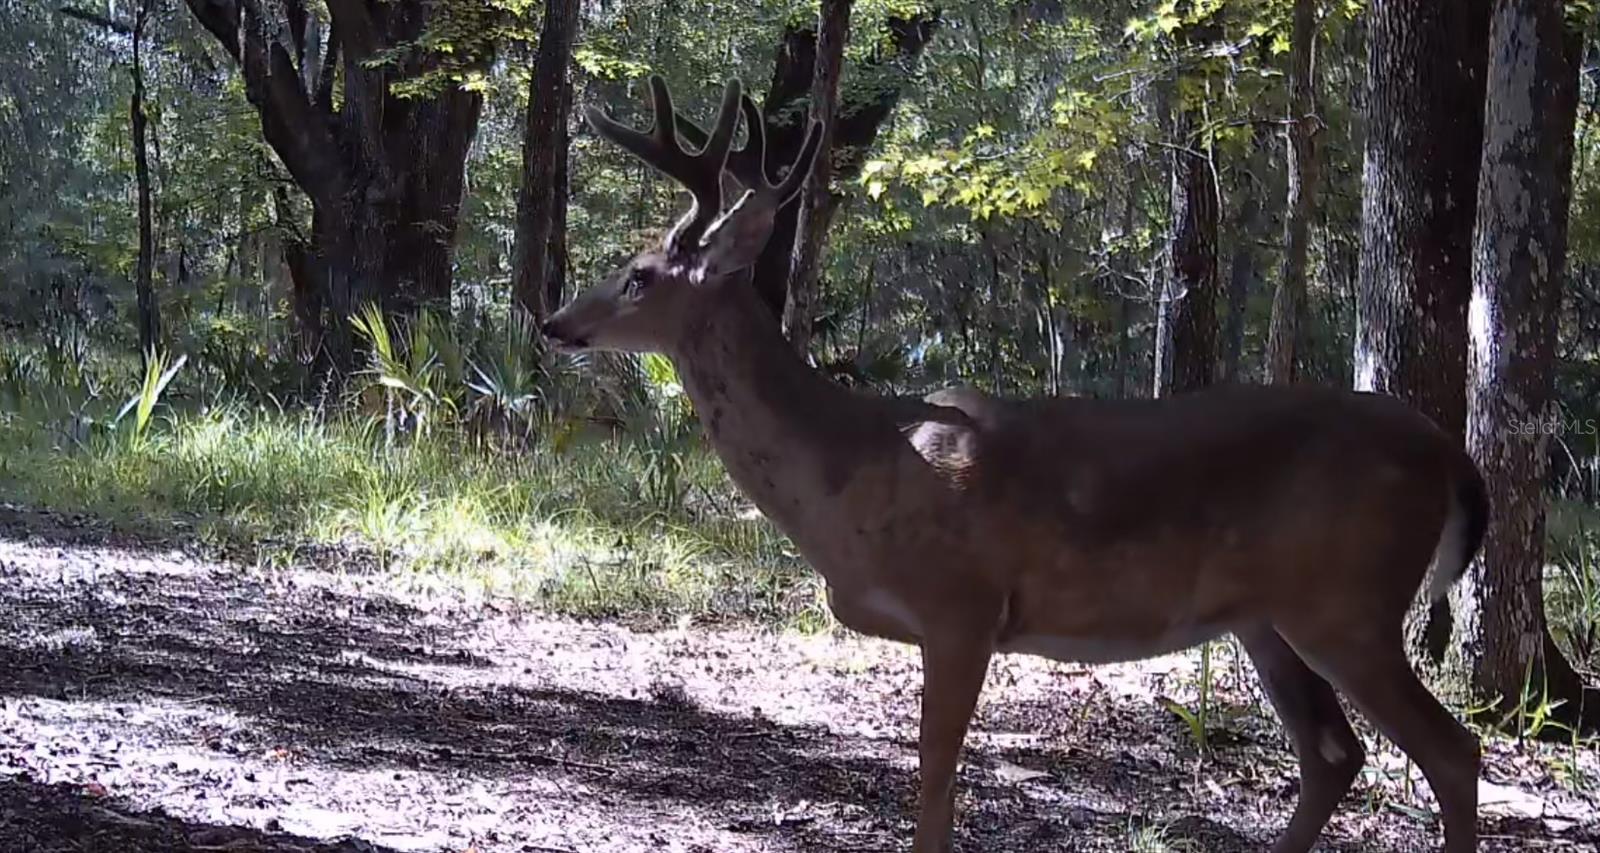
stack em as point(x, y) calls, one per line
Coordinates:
point(648, 304)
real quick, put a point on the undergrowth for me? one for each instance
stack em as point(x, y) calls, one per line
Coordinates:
point(569, 529)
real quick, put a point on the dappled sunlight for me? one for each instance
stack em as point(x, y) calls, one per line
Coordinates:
point(324, 705)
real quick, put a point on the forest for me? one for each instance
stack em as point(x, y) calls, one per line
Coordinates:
point(312, 540)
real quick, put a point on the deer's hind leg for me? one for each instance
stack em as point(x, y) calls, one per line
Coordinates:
point(1330, 755)
point(1370, 667)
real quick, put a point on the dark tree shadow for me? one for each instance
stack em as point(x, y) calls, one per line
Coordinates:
point(64, 819)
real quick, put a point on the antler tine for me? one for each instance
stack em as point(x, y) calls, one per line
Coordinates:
point(747, 164)
point(699, 173)
point(798, 172)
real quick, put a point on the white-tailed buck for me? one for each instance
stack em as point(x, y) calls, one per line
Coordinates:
point(1302, 520)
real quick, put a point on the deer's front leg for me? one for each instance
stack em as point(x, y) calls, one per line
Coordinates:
point(953, 670)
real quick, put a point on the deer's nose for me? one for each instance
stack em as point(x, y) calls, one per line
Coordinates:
point(548, 329)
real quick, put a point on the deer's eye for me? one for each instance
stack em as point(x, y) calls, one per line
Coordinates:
point(636, 283)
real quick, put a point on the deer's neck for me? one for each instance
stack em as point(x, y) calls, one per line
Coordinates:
point(783, 430)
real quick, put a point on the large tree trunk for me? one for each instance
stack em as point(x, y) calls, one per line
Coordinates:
point(383, 169)
point(861, 113)
point(1190, 295)
point(816, 199)
point(1424, 141)
point(144, 284)
point(545, 134)
point(1518, 262)
point(1289, 301)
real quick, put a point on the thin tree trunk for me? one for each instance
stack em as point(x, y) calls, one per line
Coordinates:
point(545, 133)
point(1424, 142)
point(1190, 296)
point(555, 279)
point(305, 288)
point(1161, 362)
point(1055, 342)
point(1242, 271)
point(1124, 268)
point(863, 111)
point(1518, 262)
point(144, 284)
point(996, 323)
point(816, 199)
point(1289, 302)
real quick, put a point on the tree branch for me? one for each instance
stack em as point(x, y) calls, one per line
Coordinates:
point(330, 67)
point(119, 27)
point(356, 30)
point(221, 19)
point(292, 125)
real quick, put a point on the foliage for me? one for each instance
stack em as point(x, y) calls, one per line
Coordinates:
point(1007, 228)
point(413, 378)
point(157, 376)
point(559, 528)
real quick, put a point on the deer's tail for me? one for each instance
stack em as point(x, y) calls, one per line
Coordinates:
point(1463, 531)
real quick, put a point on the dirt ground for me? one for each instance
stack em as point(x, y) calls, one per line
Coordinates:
point(152, 699)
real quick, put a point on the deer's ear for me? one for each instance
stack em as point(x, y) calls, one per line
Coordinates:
point(735, 239)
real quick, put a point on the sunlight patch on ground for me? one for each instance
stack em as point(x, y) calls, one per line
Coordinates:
point(202, 767)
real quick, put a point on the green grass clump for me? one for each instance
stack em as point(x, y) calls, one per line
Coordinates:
point(569, 529)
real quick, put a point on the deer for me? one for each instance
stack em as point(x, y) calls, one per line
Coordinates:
point(1302, 520)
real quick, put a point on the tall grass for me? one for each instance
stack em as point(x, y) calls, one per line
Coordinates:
point(1572, 580)
point(566, 529)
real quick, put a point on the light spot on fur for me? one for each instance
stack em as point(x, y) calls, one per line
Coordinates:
point(1330, 748)
point(945, 447)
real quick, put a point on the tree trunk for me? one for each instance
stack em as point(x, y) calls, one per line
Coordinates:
point(861, 114)
point(1242, 272)
point(144, 284)
point(383, 169)
point(1289, 302)
point(305, 288)
point(1124, 266)
point(545, 133)
point(1519, 258)
point(816, 199)
point(555, 278)
point(1161, 362)
point(1190, 296)
point(1426, 65)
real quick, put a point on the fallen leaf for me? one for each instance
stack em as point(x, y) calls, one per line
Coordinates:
point(1017, 775)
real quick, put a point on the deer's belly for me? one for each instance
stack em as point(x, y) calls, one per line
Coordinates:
point(875, 611)
point(1116, 648)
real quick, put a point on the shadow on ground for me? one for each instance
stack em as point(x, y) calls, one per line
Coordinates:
point(63, 819)
point(369, 682)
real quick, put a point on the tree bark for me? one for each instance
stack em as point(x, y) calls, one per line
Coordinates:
point(816, 198)
point(861, 114)
point(1288, 302)
point(383, 169)
point(555, 279)
point(545, 133)
point(1123, 266)
point(1242, 271)
point(144, 284)
point(1519, 257)
point(1190, 295)
point(1424, 142)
